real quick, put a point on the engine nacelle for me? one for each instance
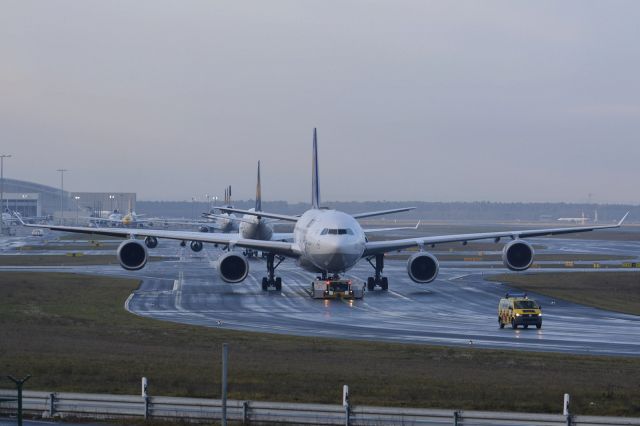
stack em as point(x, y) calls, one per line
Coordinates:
point(233, 268)
point(204, 229)
point(517, 255)
point(423, 267)
point(196, 246)
point(132, 255)
point(151, 242)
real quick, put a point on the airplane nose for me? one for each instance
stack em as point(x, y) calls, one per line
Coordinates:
point(335, 254)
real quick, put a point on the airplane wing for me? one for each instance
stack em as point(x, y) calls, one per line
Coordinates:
point(277, 247)
point(374, 230)
point(377, 247)
point(278, 216)
point(296, 218)
point(282, 236)
point(382, 212)
point(217, 216)
point(184, 222)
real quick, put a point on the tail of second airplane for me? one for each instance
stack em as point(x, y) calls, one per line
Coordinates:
point(315, 180)
point(258, 192)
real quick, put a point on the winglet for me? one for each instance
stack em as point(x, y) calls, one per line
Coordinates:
point(315, 181)
point(258, 192)
point(623, 219)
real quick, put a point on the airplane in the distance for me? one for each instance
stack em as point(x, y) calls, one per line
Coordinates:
point(327, 242)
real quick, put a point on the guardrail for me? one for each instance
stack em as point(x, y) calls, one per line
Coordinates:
point(102, 406)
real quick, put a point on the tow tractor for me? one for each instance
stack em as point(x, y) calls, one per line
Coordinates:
point(334, 288)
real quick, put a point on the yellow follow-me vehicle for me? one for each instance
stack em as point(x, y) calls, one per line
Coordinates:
point(517, 309)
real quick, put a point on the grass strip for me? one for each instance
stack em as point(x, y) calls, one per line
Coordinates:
point(71, 259)
point(72, 334)
point(544, 257)
point(614, 291)
point(70, 247)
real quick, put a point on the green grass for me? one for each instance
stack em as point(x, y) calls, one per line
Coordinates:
point(72, 334)
point(70, 259)
point(74, 236)
point(481, 256)
point(71, 247)
point(615, 291)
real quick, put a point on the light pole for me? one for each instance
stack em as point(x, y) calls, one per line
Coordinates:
point(111, 197)
point(2, 157)
point(77, 198)
point(62, 194)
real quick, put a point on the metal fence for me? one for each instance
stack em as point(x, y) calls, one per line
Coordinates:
point(102, 406)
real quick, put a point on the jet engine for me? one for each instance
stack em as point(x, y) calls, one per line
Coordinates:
point(517, 255)
point(423, 267)
point(151, 242)
point(132, 255)
point(233, 268)
point(196, 246)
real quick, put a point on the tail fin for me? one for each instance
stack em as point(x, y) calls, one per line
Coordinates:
point(258, 192)
point(315, 181)
point(227, 196)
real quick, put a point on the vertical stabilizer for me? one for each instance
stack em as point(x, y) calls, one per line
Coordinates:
point(315, 181)
point(258, 192)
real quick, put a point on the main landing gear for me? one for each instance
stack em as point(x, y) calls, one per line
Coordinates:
point(271, 280)
point(377, 279)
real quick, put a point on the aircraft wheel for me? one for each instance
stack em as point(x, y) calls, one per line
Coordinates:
point(370, 284)
point(278, 283)
point(384, 283)
point(264, 284)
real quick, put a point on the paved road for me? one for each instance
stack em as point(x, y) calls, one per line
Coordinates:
point(459, 308)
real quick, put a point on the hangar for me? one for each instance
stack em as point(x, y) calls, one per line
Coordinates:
point(35, 199)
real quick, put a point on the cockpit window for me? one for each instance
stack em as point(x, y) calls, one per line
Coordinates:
point(339, 231)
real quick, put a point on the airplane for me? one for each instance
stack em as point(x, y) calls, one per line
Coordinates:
point(255, 227)
point(327, 242)
point(582, 220)
point(222, 222)
point(116, 218)
point(225, 222)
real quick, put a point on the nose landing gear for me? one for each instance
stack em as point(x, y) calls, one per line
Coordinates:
point(377, 279)
point(271, 280)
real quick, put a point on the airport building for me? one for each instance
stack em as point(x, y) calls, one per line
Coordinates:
point(34, 199)
point(25, 203)
point(103, 203)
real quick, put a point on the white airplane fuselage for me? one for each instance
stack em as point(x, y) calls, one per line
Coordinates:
point(226, 222)
point(328, 241)
point(254, 228)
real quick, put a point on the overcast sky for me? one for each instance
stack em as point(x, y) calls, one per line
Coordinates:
point(413, 100)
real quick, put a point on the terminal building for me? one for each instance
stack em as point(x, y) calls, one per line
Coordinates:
point(36, 200)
